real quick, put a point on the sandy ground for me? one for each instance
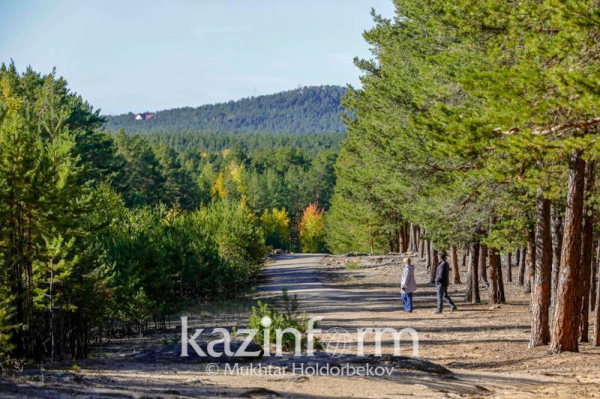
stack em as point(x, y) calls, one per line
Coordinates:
point(484, 347)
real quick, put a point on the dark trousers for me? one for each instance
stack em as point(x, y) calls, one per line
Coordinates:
point(407, 301)
point(442, 293)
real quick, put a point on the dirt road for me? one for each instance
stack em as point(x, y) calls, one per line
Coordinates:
point(484, 347)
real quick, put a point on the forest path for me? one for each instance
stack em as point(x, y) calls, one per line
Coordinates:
point(340, 306)
point(296, 272)
point(485, 347)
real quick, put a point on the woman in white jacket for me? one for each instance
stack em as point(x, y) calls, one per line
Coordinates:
point(409, 285)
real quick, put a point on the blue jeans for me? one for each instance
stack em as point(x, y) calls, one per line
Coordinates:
point(407, 301)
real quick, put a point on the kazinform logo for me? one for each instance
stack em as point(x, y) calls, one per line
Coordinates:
point(338, 341)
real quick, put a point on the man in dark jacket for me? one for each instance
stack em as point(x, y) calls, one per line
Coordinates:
point(442, 280)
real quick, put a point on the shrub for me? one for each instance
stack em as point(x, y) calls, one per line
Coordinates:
point(289, 319)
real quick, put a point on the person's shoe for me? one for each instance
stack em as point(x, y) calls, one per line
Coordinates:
point(438, 311)
point(452, 309)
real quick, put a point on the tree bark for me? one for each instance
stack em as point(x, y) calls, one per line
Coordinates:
point(597, 313)
point(518, 257)
point(565, 326)
point(483, 252)
point(455, 269)
point(522, 267)
point(593, 279)
point(413, 244)
point(501, 297)
point(508, 267)
point(421, 248)
point(587, 247)
point(494, 266)
point(530, 260)
point(557, 238)
point(472, 293)
point(405, 238)
point(428, 255)
point(540, 327)
point(417, 238)
point(434, 264)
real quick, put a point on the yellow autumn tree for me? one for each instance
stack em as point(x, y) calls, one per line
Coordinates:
point(218, 189)
point(237, 176)
point(276, 225)
point(312, 230)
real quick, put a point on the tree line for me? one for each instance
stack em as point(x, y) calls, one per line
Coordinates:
point(475, 131)
point(103, 234)
point(306, 110)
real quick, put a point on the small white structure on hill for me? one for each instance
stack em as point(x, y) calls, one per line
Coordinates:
point(143, 117)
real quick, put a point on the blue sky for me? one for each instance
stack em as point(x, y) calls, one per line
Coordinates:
point(150, 55)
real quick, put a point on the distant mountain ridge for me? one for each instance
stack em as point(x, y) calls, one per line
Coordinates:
point(307, 110)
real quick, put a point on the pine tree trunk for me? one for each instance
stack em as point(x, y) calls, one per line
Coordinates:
point(428, 255)
point(540, 327)
point(434, 264)
point(494, 266)
point(593, 279)
point(518, 257)
point(405, 238)
point(508, 267)
point(501, 297)
point(473, 281)
point(587, 247)
point(522, 267)
point(417, 238)
point(597, 313)
point(483, 252)
point(530, 261)
point(557, 238)
point(565, 326)
point(455, 268)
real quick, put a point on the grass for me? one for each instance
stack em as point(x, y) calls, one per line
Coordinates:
point(352, 266)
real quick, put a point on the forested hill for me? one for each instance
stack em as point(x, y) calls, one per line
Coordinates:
point(306, 110)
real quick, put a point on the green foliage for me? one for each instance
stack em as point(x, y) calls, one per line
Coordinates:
point(97, 231)
point(276, 225)
point(307, 110)
point(280, 321)
point(152, 175)
point(238, 237)
point(44, 201)
point(352, 266)
point(465, 115)
point(6, 315)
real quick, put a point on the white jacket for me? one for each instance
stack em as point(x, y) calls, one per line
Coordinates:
point(409, 284)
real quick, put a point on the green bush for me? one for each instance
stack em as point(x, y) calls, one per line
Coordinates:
point(289, 319)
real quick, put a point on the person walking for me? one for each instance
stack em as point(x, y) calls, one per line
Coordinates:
point(409, 285)
point(442, 279)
